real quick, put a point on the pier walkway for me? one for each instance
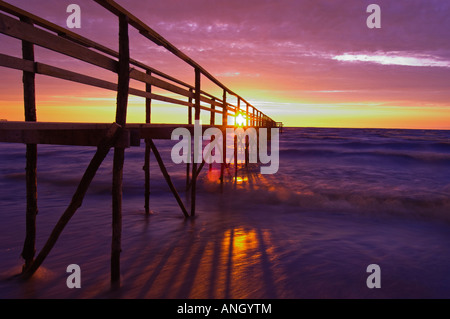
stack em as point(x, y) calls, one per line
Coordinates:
point(33, 31)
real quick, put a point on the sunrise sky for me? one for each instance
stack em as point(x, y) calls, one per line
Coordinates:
point(302, 62)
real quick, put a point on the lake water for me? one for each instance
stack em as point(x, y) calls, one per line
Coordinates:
point(342, 199)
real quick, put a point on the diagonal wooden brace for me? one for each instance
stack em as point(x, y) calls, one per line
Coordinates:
point(102, 150)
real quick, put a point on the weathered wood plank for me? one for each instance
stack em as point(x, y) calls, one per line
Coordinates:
point(141, 76)
point(26, 32)
point(6, 7)
point(49, 70)
point(146, 78)
point(13, 10)
point(16, 63)
point(83, 137)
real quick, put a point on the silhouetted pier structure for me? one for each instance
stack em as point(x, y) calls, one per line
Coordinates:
point(35, 31)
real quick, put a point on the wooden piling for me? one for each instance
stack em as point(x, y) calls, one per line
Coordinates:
point(188, 165)
point(235, 156)
point(167, 178)
point(147, 177)
point(148, 116)
point(198, 172)
point(212, 140)
point(194, 164)
point(119, 153)
point(77, 199)
point(29, 94)
point(224, 134)
point(247, 155)
point(212, 121)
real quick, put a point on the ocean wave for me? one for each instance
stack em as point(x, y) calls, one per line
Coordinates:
point(285, 194)
point(438, 147)
point(384, 155)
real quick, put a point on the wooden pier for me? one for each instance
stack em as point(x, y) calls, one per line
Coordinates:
point(34, 31)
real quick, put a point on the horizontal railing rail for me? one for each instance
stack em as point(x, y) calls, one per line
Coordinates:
point(40, 32)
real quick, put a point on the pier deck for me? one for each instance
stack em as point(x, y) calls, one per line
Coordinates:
point(33, 31)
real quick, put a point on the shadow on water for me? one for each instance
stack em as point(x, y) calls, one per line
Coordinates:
point(210, 256)
point(201, 261)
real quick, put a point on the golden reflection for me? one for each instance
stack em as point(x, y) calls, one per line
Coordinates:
point(248, 263)
point(245, 244)
point(213, 175)
point(240, 179)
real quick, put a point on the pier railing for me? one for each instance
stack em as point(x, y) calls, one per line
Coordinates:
point(61, 40)
point(33, 31)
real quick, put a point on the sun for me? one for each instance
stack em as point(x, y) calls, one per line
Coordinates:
point(240, 120)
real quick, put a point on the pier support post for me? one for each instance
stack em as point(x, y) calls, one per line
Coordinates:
point(212, 122)
point(29, 94)
point(188, 165)
point(247, 154)
point(102, 150)
point(224, 134)
point(148, 117)
point(167, 178)
point(194, 163)
point(119, 152)
point(235, 157)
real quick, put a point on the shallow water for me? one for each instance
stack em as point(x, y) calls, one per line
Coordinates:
point(342, 199)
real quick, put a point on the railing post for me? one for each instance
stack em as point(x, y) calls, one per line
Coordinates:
point(188, 166)
point(190, 107)
point(212, 122)
point(148, 112)
point(213, 113)
point(253, 117)
point(224, 138)
point(29, 95)
point(238, 109)
point(194, 163)
point(247, 116)
point(119, 152)
point(225, 109)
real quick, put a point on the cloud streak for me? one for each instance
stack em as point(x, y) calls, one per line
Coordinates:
point(394, 59)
